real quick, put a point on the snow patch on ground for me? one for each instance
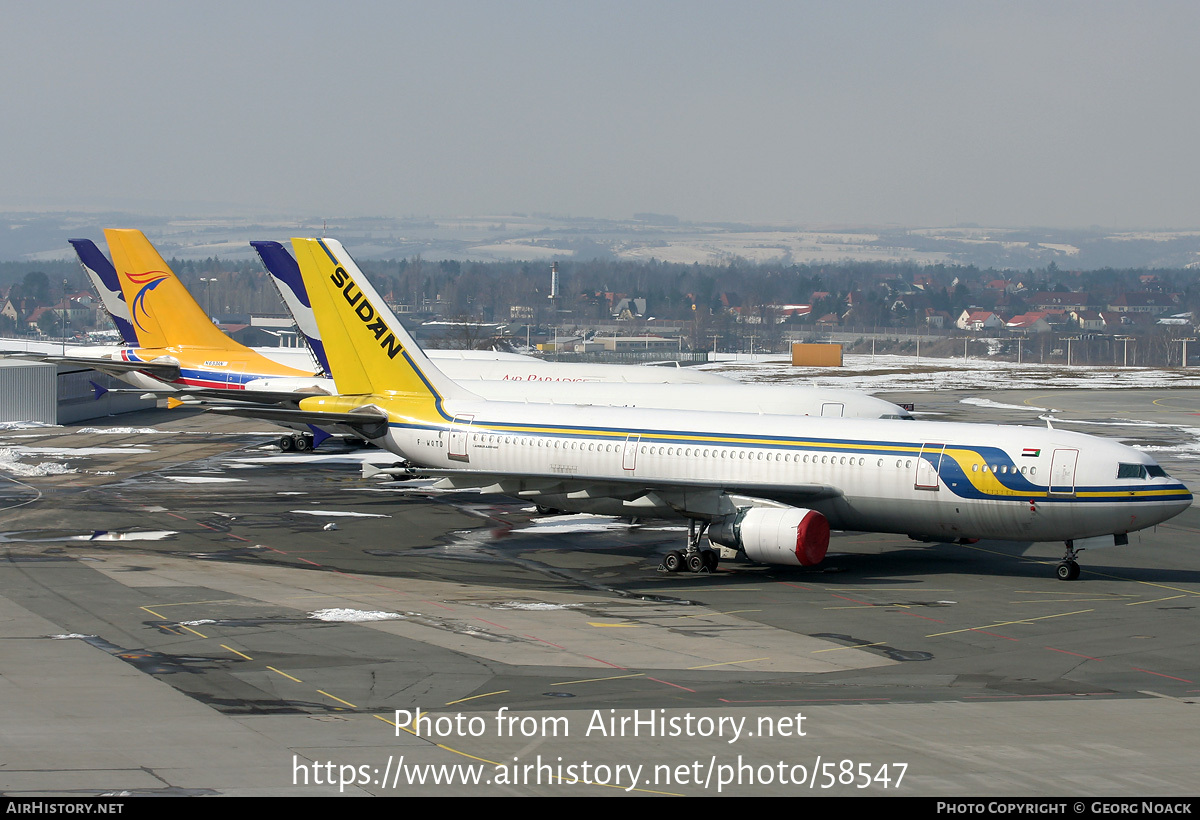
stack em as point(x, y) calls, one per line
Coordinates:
point(334, 513)
point(10, 462)
point(583, 522)
point(116, 431)
point(145, 535)
point(366, 456)
point(25, 425)
point(908, 373)
point(353, 616)
point(70, 452)
point(530, 606)
point(1002, 406)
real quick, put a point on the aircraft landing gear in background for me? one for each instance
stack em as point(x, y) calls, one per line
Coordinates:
point(300, 442)
point(694, 559)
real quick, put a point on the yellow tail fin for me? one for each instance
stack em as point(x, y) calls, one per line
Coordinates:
point(368, 349)
point(164, 313)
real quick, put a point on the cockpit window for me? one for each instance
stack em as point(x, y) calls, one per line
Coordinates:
point(1155, 471)
point(1132, 470)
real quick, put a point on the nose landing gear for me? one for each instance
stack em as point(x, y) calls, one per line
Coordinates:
point(1068, 567)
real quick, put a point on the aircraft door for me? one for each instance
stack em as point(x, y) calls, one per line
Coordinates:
point(833, 409)
point(1062, 472)
point(629, 453)
point(460, 438)
point(929, 463)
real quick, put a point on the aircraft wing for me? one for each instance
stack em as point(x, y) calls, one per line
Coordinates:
point(368, 422)
point(631, 494)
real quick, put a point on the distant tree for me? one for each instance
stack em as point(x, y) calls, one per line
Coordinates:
point(36, 286)
point(465, 334)
point(49, 324)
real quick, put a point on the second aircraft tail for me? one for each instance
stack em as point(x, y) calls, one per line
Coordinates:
point(164, 314)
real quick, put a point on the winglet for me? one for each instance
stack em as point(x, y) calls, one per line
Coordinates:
point(104, 278)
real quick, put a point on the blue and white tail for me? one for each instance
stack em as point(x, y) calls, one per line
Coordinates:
point(285, 273)
point(104, 278)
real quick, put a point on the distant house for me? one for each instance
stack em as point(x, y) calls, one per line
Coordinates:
point(1035, 322)
point(1117, 322)
point(1058, 300)
point(10, 310)
point(937, 318)
point(784, 312)
point(1088, 319)
point(1179, 319)
point(629, 308)
point(1151, 303)
point(977, 320)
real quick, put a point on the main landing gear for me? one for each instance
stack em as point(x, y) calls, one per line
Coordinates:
point(1068, 568)
point(300, 442)
point(693, 559)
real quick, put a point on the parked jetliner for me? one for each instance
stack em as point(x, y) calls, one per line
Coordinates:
point(768, 486)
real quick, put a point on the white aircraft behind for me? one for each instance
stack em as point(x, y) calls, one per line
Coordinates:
point(767, 486)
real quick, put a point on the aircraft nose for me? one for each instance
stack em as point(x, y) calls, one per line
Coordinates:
point(1177, 505)
point(1183, 504)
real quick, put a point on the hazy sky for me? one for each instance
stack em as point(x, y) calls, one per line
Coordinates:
point(1040, 113)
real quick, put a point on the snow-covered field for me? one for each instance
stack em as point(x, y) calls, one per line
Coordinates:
point(881, 373)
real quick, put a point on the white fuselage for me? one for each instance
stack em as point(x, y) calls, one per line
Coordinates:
point(928, 479)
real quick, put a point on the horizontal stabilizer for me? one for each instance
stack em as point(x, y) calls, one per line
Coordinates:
point(164, 368)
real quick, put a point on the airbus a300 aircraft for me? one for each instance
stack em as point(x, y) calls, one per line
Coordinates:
point(770, 487)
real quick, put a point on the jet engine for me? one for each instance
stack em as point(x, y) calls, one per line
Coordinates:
point(775, 535)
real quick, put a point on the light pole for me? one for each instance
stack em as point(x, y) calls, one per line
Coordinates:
point(1125, 339)
point(64, 318)
point(206, 281)
point(1183, 361)
point(1068, 340)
